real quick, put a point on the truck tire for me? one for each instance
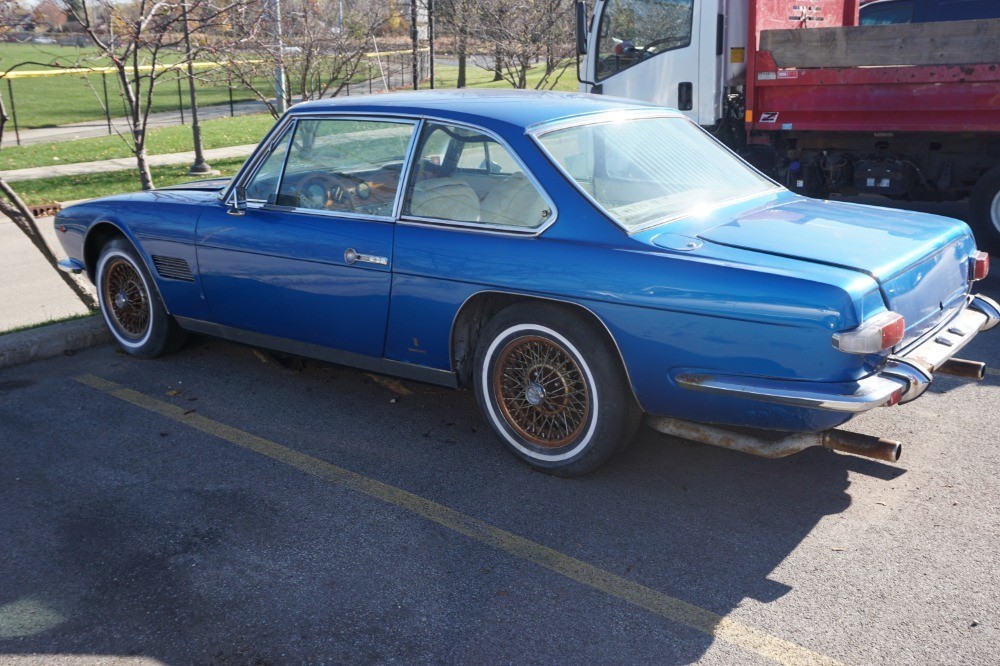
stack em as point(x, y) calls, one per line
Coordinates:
point(984, 207)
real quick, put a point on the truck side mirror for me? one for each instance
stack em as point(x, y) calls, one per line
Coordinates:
point(581, 28)
point(239, 201)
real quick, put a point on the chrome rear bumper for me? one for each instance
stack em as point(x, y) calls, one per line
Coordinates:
point(903, 378)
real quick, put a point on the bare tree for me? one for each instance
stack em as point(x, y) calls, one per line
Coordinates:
point(463, 18)
point(320, 49)
point(142, 41)
point(524, 32)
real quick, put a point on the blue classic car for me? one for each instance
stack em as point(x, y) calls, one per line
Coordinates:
point(578, 261)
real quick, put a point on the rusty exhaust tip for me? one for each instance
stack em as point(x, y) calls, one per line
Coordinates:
point(959, 367)
point(855, 443)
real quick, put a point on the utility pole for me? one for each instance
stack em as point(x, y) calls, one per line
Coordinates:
point(200, 166)
point(280, 93)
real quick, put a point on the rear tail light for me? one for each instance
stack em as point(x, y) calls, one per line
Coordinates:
point(879, 333)
point(980, 265)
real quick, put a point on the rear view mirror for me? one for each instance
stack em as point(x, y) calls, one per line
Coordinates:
point(581, 28)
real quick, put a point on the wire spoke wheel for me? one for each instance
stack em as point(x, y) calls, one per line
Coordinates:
point(541, 391)
point(127, 299)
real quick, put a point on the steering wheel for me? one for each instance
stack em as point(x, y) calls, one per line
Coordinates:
point(323, 191)
point(656, 42)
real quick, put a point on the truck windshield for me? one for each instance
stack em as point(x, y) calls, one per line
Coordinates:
point(647, 171)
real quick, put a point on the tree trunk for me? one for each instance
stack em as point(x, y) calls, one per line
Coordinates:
point(497, 64)
point(463, 45)
point(21, 216)
point(142, 160)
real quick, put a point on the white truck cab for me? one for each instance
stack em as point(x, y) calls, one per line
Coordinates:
point(683, 54)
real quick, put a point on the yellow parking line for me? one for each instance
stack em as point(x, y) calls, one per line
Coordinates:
point(682, 612)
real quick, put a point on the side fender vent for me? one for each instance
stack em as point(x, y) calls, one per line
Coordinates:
point(173, 268)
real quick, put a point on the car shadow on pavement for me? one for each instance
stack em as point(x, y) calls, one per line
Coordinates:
point(127, 534)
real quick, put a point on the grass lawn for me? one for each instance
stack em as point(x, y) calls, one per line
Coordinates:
point(72, 98)
point(217, 133)
point(477, 77)
point(71, 188)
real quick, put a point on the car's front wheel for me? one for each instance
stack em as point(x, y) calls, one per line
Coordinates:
point(553, 390)
point(131, 306)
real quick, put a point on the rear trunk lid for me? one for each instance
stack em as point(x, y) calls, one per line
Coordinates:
point(920, 261)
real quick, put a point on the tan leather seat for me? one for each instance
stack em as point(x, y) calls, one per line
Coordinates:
point(445, 199)
point(514, 201)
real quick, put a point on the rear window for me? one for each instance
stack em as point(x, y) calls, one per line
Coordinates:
point(648, 171)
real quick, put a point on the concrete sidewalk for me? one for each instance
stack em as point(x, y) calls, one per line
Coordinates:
point(123, 164)
point(31, 292)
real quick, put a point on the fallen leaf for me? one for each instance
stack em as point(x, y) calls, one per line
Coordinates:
point(173, 392)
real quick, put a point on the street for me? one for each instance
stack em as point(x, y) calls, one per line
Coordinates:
point(219, 506)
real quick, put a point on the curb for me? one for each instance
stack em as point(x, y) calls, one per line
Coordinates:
point(52, 340)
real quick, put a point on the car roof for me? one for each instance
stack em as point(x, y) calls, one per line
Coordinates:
point(519, 108)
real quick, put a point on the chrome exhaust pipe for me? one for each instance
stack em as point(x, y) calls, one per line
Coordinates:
point(775, 444)
point(959, 367)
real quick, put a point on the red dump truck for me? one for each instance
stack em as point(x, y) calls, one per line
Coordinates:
point(824, 105)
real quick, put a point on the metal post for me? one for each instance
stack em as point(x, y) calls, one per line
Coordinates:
point(13, 111)
point(415, 43)
point(232, 112)
point(107, 107)
point(430, 39)
point(280, 85)
point(199, 166)
point(369, 65)
point(180, 97)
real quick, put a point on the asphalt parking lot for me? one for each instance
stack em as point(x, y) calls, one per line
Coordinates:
point(219, 507)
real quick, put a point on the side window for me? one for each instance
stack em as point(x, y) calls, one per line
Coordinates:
point(340, 165)
point(461, 175)
point(900, 12)
point(263, 187)
point(635, 30)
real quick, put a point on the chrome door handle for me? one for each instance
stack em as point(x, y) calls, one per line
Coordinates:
point(352, 256)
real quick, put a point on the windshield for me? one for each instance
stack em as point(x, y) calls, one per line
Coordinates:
point(647, 171)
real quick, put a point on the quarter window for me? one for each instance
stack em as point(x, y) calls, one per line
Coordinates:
point(632, 31)
point(465, 176)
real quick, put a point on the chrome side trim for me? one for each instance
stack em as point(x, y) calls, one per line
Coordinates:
point(74, 266)
point(868, 393)
point(383, 366)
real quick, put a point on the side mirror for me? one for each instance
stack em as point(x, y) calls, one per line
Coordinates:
point(239, 201)
point(581, 28)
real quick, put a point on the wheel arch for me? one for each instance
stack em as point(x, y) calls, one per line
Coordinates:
point(98, 235)
point(479, 308)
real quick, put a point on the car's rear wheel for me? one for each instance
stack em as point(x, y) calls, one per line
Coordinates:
point(552, 390)
point(131, 306)
point(984, 206)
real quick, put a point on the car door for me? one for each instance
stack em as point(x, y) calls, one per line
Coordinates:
point(310, 260)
